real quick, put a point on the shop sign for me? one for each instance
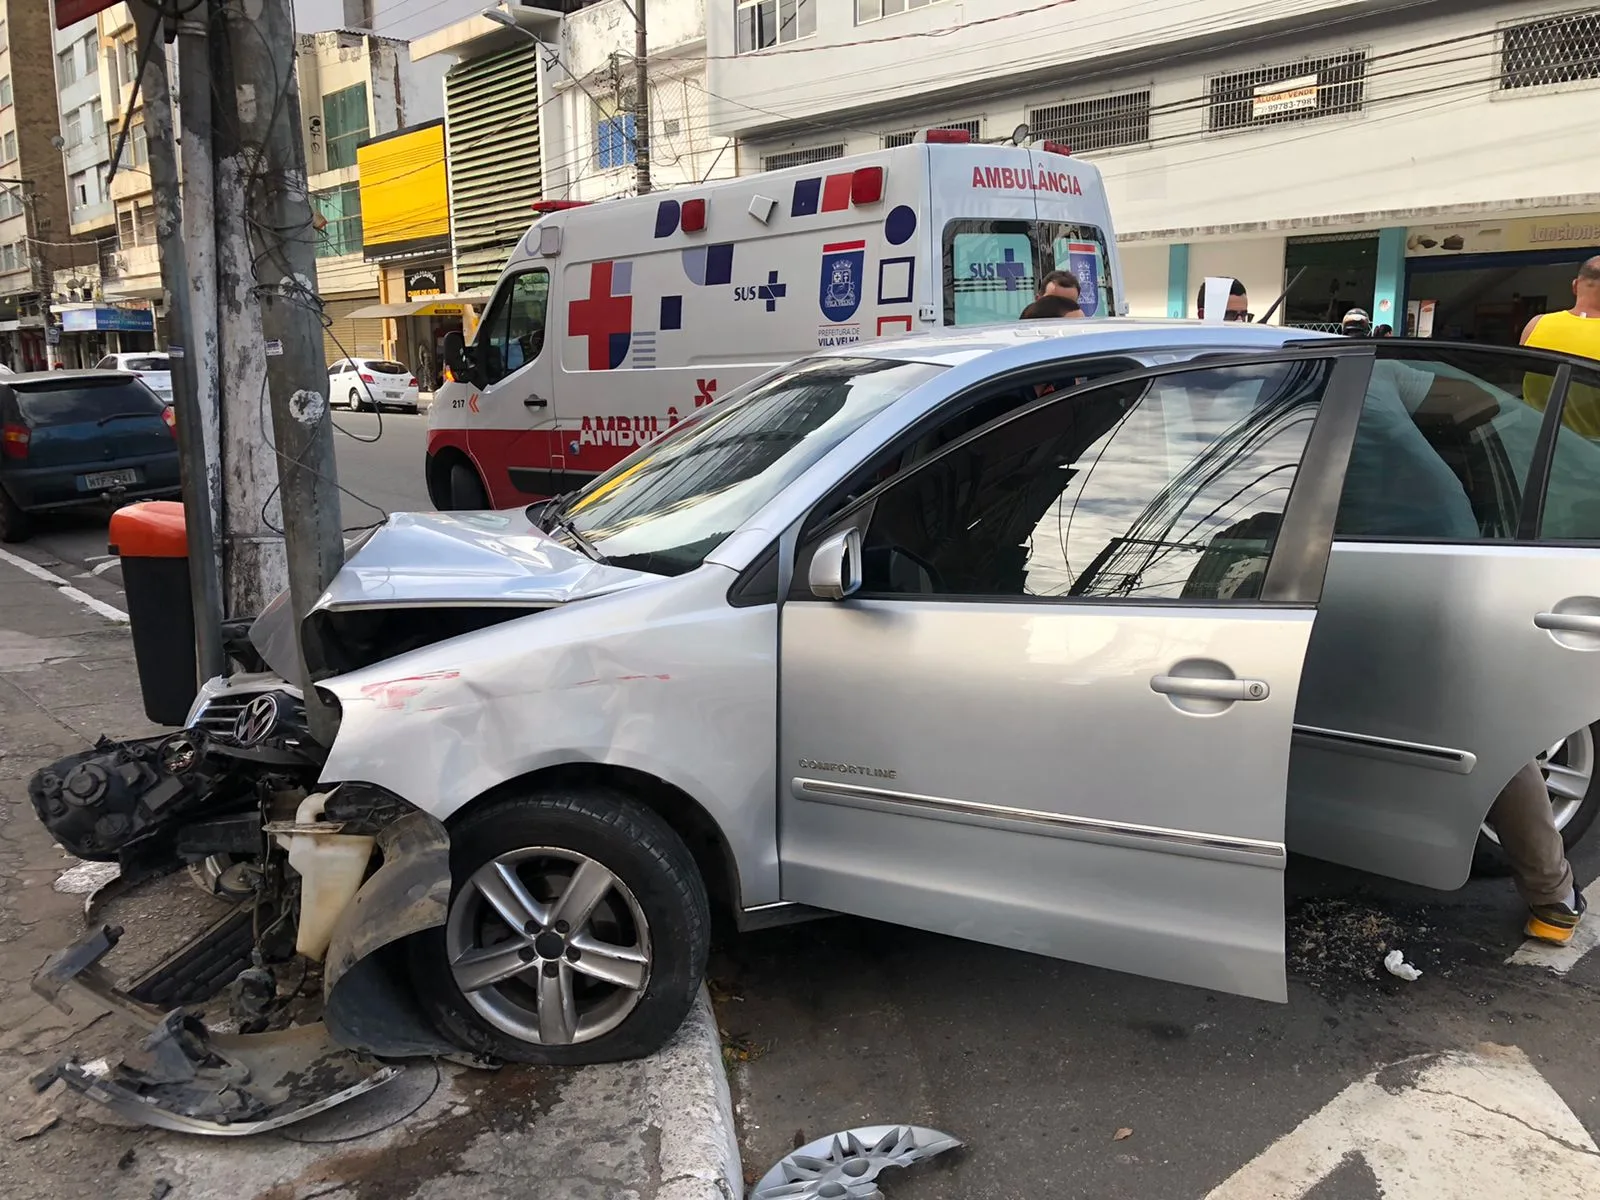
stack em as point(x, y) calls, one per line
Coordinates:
point(1581, 232)
point(424, 281)
point(1284, 96)
point(100, 319)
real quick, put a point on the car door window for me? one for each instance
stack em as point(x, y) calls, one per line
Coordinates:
point(1444, 445)
point(1572, 495)
point(1163, 488)
point(513, 331)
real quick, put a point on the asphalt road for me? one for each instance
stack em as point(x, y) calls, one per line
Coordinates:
point(1038, 1065)
point(380, 469)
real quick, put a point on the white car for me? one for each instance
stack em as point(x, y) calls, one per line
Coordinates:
point(151, 366)
point(368, 384)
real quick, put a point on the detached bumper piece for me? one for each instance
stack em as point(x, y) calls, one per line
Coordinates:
point(183, 1077)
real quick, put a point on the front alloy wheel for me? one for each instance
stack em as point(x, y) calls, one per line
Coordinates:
point(548, 946)
point(577, 932)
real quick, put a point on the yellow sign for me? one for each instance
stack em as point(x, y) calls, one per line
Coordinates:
point(405, 205)
point(1580, 232)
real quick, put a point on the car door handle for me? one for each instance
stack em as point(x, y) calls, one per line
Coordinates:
point(1568, 622)
point(1210, 689)
point(536, 402)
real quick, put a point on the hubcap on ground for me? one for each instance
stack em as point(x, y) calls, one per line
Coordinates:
point(548, 946)
point(1568, 768)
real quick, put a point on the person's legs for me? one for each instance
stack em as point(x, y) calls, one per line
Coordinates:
point(1525, 823)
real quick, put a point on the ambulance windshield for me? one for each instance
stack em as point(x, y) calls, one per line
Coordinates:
point(993, 269)
point(670, 504)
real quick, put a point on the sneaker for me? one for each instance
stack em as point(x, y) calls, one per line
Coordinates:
point(1555, 923)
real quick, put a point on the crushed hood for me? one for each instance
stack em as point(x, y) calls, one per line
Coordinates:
point(464, 560)
point(473, 558)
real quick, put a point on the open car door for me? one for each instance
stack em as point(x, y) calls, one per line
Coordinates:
point(1038, 689)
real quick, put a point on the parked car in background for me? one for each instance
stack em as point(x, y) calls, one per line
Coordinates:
point(76, 439)
point(368, 384)
point(154, 367)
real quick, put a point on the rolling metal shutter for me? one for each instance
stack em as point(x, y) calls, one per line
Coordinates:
point(343, 337)
point(492, 135)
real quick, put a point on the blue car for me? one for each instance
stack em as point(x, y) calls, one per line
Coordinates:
point(80, 439)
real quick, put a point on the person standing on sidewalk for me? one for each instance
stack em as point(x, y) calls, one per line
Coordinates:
point(1574, 331)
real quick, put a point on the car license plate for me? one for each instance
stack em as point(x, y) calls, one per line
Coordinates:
point(394, 395)
point(101, 480)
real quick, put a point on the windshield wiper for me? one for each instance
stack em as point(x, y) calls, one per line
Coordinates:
point(565, 525)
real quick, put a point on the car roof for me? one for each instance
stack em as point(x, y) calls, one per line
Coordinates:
point(1053, 338)
point(89, 373)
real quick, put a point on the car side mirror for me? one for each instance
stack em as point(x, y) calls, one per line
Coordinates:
point(836, 566)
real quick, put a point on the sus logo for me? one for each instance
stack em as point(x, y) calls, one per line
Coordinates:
point(843, 264)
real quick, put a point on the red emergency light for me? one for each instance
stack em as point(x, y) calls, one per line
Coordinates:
point(692, 216)
point(947, 137)
point(1056, 148)
point(866, 185)
point(550, 206)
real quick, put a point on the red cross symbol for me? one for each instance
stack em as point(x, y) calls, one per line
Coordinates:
point(604, 319)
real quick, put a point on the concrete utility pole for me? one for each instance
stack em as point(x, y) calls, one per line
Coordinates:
point(200, 241)
point(254, 564)
point(269, 170)
point(641, 104)
point(204, 584)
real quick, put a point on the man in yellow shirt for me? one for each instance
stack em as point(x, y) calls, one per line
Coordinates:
point(1575, 331)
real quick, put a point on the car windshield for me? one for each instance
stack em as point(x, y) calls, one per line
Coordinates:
point(84, 401)
point(381, 366)
point(664, 508)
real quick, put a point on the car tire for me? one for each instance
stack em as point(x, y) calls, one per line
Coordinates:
point(645, 900)
point(1581, 753)
point(355, 401)
point(467, 493)
point(15, 525)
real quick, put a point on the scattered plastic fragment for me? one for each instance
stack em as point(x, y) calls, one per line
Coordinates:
point(1395, 963)
point(1122, 1134)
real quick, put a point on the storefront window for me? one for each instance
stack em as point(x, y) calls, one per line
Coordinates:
point(1331, 275)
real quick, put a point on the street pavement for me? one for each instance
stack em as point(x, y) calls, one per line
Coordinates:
point(1478, 1079)
point(380, 469)
point(654, 1129)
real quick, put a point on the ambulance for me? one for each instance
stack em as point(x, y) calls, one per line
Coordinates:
point(614, 320)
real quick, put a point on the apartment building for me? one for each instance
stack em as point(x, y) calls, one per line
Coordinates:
point(1416, 159)
point(132, 315)
point(354, 87)
point(588, 102)
point(33, 209)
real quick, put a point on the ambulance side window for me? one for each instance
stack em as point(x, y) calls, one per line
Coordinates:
point(512, 335)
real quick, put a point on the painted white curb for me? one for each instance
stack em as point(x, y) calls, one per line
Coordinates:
point(61, 585)
point(691, 1106)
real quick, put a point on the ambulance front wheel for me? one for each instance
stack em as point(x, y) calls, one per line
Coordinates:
point(467, 493)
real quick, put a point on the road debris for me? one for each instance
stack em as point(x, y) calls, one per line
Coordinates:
point(1395, 963)
point(43, 1114)
point(1334, 944)
point(845, 1165)
point(1122, 1134)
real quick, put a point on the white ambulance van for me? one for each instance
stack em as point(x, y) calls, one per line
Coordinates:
point(614, 320)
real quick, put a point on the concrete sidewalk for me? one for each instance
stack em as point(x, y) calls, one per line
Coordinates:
point(660, 1127)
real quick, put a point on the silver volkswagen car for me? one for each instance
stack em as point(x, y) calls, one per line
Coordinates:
point(1057, 636)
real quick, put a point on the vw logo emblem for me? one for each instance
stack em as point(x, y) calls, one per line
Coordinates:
point(256, 720)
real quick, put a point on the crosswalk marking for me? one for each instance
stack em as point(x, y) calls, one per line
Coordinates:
point(1561, 959)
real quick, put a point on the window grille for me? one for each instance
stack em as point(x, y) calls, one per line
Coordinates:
point(1297, 91)
point(1099, 124)
point(801, 158)
point(973, 128)
point(1561, 49)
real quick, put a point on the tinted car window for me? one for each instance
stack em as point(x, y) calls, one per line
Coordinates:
point(384, 367)
point(1444, 445)
point(147, 364)
point(108, 363)
point(1572, 496)
point(1155, 489)
point(83, 401)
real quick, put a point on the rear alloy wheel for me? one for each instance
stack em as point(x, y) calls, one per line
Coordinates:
point(578, 931)
point(355, 401)
point(15, 526)
point(1570, 773)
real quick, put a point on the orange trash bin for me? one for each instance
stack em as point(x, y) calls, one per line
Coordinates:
point(152, 540)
